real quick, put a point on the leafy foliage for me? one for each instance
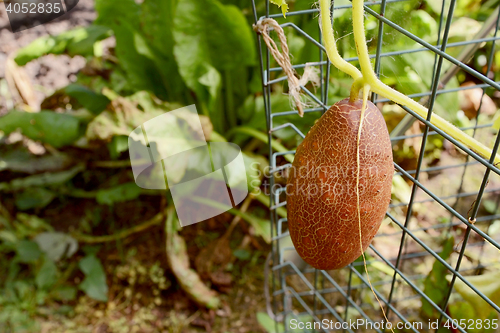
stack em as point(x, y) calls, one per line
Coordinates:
point(57, 129)
point(282, 4)
point(78, 41)
point(168, 54)
point(94, 283)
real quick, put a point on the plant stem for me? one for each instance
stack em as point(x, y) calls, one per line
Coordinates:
point(262, 137)
point(90, 239)
point(331, 44)
point(369, 76)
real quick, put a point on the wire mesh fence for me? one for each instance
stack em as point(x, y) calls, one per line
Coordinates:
point(434, 260)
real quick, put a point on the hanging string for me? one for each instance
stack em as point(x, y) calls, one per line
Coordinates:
point(283, 59)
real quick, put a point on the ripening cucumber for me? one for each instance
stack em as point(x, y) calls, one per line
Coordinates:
point(323, 188)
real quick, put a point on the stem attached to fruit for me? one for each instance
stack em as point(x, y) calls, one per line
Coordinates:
point(369, 76)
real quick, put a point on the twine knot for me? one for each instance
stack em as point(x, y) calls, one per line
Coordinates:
point(262, 27)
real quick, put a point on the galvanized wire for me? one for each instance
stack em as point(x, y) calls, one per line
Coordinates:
point(303, 291)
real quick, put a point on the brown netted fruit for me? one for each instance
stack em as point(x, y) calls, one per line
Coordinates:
point(321, 190)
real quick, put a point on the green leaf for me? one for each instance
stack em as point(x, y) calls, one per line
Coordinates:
point(254, 167)
point(90, 100)
point(22, 160)
point(210, 38)
point(218, 32)
point(94, 284)
point(242, 254)
point(490, 206)
point(157, 20)
point(44, 179)
point(111, 15)
point(268, 323)
point(34, 197)
point(123, 17)
point(64, 293)
point(282, 4)
point(56, 245)
point(434, 285)
point(56, 129)
point(117, 145)
point(488, 284)
point(27, 251)
point(77, 41)
point(47, 275)
point(120, 193)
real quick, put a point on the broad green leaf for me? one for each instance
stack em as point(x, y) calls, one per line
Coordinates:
point(34, 197)
point(47, 275)
point(157, 19)
point(120, 193)
point(92, 101)
point(282, 4)
point(218, 32)
point(27, 251)
point(94, 284)
point(22, 160)
point(141, 70)
point(434, 285)
point(123, 17)
point(56, 245)
point(210, 38)
point(44, 179)
point(56, 129)
point(77, 41)
point(109, 14)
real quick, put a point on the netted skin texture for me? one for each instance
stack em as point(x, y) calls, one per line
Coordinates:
point(321, 189)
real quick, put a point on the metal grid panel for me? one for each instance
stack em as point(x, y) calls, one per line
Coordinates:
point(344, 294)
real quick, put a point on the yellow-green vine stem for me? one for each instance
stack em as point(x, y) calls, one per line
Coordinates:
point(331, 45)
point(380, 88)
point(369, 76)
